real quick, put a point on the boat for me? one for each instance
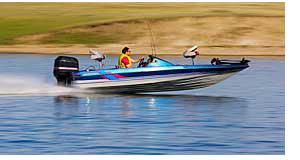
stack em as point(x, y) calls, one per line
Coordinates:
point(152, 75)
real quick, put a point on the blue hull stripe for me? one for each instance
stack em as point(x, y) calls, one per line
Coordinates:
point(108, 76)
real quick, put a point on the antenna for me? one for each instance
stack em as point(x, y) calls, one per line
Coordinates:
point(153, 50)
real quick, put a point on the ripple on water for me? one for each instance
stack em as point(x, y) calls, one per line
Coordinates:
point(242, 115)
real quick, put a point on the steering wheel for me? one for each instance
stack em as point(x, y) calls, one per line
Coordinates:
point(90, 68)
point(141, 63)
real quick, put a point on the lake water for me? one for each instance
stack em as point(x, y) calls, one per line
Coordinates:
point(241, 115)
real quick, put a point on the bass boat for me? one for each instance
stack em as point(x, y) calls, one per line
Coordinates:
point(151, 75)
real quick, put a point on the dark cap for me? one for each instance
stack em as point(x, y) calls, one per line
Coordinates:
point(125, 49)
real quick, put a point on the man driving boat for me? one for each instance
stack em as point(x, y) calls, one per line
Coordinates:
point(125, 61)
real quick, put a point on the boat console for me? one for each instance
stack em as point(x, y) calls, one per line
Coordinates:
point(153, 61)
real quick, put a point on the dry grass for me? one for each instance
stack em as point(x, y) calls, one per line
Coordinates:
point(218, 28)
point(213, 34)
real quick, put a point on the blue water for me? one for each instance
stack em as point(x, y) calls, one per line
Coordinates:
point(241, 115)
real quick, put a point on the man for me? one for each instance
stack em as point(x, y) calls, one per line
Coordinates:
point(125, 61)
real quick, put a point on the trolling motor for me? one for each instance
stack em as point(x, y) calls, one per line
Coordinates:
point(217, 61)
point(191, 53)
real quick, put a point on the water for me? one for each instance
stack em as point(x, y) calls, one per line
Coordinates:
point(241, 115)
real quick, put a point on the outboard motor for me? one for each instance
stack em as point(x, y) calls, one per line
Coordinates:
point(64, 66)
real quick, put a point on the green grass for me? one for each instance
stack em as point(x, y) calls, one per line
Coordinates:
point(19, 19)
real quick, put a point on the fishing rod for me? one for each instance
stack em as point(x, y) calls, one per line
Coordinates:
point(152, 43)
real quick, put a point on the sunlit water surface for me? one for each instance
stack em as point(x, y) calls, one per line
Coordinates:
point(241, 115)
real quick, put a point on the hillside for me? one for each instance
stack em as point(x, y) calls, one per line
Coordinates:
point(218, 28)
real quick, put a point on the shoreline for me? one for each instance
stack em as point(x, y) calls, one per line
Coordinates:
point(163, 54)
point(114, 49)
point(274, 57)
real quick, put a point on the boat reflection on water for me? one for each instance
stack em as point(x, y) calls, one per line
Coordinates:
point(147, 104)
point(132, 123)
point(66, 99)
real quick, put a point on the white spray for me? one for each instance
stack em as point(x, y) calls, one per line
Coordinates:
point(25, 85)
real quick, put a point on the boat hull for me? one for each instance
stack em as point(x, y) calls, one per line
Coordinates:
point(156, 79)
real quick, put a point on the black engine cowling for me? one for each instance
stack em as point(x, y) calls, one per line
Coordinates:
point(64, 66)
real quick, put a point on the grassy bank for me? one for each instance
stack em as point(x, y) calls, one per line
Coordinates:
point(175, 26)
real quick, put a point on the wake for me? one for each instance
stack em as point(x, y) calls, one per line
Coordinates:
point(31, 85)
